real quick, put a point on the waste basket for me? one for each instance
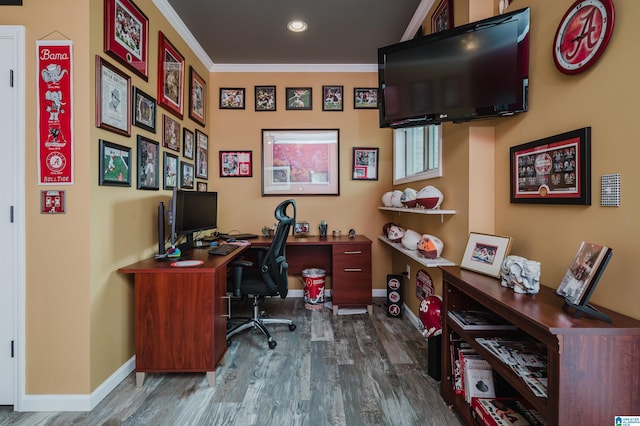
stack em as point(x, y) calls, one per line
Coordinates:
point(313, 288)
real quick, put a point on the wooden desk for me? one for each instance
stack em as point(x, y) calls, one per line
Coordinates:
point(347, 260)
point(180, 314)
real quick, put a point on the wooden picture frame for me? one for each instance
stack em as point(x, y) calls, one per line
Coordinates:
point(186, 175)
point(114, 164)
point(126, 35)
point(170, 170)
point(188, 143)
point(332, 98)
point(170, 133)
point(265, 98)
point(201, 186)
point(113, 98)
point(553, 170)
point(202, 155)
point(236, 163)
point(365, 98)
point(300, 162)
point(232, 98)
point(170, 77)
point(197, 97)
point(299, 98)
point(148, 163)
point(485, 253)
point(442, 18)
point(144, 110)
point(365, 163)
point(586, 266)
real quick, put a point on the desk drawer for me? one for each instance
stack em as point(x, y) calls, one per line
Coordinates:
point(351, 277)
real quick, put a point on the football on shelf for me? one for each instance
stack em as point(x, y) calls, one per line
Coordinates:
point(386, 199)
point(395, 233)
point(410, 239)
point(396, 198)
point(430, 246)
point(408, 198)
point(429, 197)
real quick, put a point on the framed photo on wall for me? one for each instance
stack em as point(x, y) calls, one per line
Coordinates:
point(299, 98)
point(236, 164)
point(232, 98)
point(186, 175)
point(442, 18)
point(332, 98)
point(113, 100)
point(170, 77)
point(114, 165)
point(365, 98)
point(365, 163)
point(265, 98)
point(202, 155)
point(126, 35)
point(188, 143)
point(484, 253)
point(170, 133)
point(144, 110)
point(197, 97)
point(148, 163)
point(201, 186)
point(170, 171)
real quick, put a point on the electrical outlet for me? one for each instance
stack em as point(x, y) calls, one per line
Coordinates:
point(408, 271)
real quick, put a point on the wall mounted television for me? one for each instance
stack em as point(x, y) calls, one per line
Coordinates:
point(474, 71)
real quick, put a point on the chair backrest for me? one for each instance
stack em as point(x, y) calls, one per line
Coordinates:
point(274, 267)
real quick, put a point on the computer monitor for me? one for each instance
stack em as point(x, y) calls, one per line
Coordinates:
point(194, 211)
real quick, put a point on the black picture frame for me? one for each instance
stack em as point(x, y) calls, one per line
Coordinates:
point(365, 98)
point(197, 97)
point(113, 98)
point(148, 163)
point(232, 98)
point(332, 98)
point(365, 163)
point(187, 175)
point(114, 164)
point(299, 98)
point(170, 170)
point(265, 98)
point(144, 110)
point(188, 143)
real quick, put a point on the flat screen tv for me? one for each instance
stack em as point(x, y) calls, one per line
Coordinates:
point(474, 71)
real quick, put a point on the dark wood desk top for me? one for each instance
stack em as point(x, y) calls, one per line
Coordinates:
point(211, 263)
point(314, 240)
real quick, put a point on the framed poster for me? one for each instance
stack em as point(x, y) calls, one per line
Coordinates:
point(170, 171)
point(170, 77)
point(265, 98)
point(365, 163)
point(365, 98)
point(332, 98)
point(148, 163)
point(126, 35)
point(484, 253)
point(232, 98)
point(236, 163)
point(113, 102)
point(442, 18)
point(298, 98)
point(197, 97)
point(202, 155)
point(188, 142)
point(186, 175)
point(170, 133)
point(114, 164)
point(144, 110)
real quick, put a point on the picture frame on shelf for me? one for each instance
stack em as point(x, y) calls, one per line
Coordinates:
point(114, 164)
point(170, 170)
point(188, 143)
point(148, 163)
point(442, 18)
point(144, 110)
point(332, 98)
point(170, 77)
point(201, 186)
point(299, 98)
point(236, 163)
point(170, 133)
point(365, 163)
point(485, 253)
point(202, 155)
point(126, 35)
point(113, 99)
point(265, 98)
point(197, 97)
point(583, 273)
point(365, 98)
point(553, 170)
point(232, 98)
point(186, 175)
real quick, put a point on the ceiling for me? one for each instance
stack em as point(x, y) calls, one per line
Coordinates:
point(255, 31)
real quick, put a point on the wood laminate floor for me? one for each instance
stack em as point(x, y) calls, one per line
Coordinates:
point(332, 370)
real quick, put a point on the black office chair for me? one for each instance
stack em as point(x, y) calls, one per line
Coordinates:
point(267, 277)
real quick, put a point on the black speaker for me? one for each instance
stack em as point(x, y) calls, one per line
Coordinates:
point(161, 248)
point(394, 295)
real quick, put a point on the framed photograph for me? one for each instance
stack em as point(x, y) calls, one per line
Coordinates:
point(115, 164)
point(186, 175)
point(170, 170)
point(553, 170)
point(365, 163)
point(298, 98)
point(188, 143)
point(442, 18)
point(485, 253)
point(170, 133)
point(202, 155)
point(144, 110)
point(126, 35)
point(236, 163)
point(232, 98)
point(583, 273)
point(300, 162)
point(197, 97)
point(332, 98)
point(170, 77)
point(201, 186)
point(148, 163)
point(113, 102)
point(365, 98)
point(265, 98)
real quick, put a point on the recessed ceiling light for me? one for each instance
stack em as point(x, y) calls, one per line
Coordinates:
point(297, 26)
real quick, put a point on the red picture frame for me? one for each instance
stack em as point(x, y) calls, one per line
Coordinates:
point(442, 18)
point(126, 35)
point(197, 97)
point(236, 163)
point(170, 77)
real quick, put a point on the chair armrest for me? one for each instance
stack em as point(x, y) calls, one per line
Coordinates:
point(235, 269)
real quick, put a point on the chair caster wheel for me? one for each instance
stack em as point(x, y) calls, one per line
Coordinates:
point(292, 327)
point(228, 342)
point(272, 344)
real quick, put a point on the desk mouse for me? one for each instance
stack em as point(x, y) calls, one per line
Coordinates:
point(231, 240)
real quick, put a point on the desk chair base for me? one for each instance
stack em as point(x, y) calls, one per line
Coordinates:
point(260, 323)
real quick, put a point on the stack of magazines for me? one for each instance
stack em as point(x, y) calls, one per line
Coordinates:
point(479, 320)
point(526, 359)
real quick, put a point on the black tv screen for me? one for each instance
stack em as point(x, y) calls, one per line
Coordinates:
point(195, 211)
point(474, 71)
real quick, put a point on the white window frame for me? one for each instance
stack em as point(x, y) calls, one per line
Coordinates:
point(431, 141)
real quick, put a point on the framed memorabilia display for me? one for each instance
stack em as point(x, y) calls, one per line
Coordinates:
point(265, 98)
point(301, 162)
point(365, 163)
point(365, 98)
point(202, 155)
point(298, 98)
point(188, 143)
point(232, 98)
point(115, 164)
point(197, 97)
point(170, 77)
point(170, 133)
point(442, 18)
point(170, 171)
point(201, 186)
point(113, 100)
point(148, 163)
point(553, 170)
point(236, 163)
point(144, 110)
point(332, 98)
point(186, 175)
point(583, 273)
point(126, 35)
point(485, 253)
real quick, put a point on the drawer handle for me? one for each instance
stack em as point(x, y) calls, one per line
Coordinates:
point(228, 297)
point(352, 252)
point(353, 269)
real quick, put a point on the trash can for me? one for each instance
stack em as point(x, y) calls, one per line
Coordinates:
point(313, 288)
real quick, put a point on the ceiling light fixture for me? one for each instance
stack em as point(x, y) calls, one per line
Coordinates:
point(297, 26)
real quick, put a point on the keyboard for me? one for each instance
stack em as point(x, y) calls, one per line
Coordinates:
point(223, 249)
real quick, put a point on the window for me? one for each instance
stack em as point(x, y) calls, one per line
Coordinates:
point(417, 153)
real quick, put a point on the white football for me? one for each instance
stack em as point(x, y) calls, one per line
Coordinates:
point(386, 199)
point(430, 246)
point(430, 197)
point(396, 198)
point(410, 239)
point(409, 196)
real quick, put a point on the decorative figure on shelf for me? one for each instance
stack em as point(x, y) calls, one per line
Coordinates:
point(431, 316)
point(520, 274)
